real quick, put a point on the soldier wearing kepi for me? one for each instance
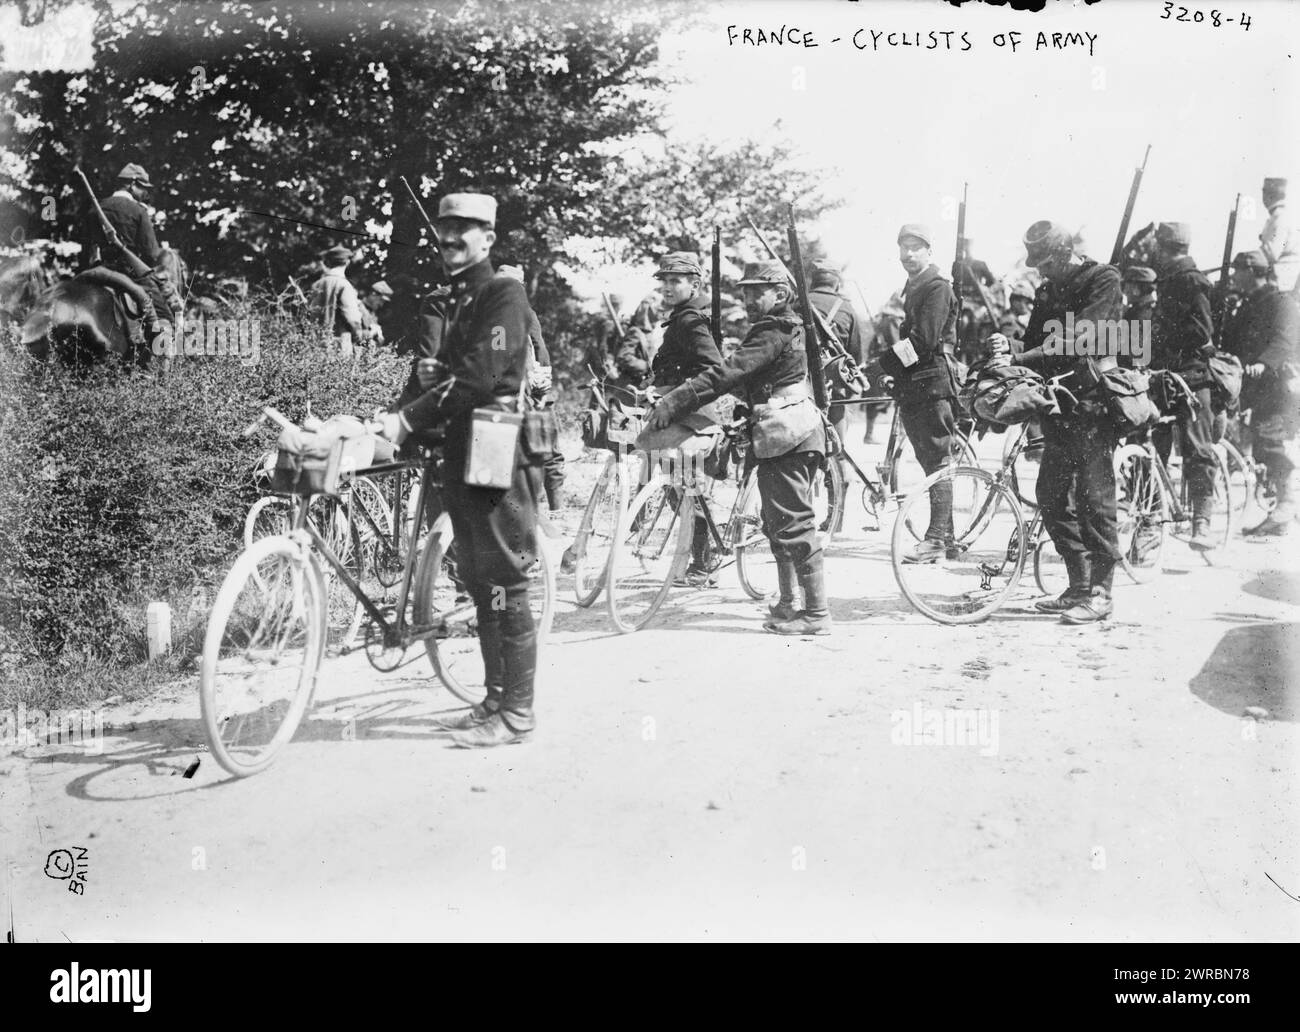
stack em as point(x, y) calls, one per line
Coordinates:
point(1182, 340)
point(924, 385)
point(1139, 285)
point(824, 286)
point(134, 226)
point(688, 350)
point(1076, 479)
point(1265, 334)
point(483, 365)
point(770, 371)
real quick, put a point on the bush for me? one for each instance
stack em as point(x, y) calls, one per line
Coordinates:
point(121, 487)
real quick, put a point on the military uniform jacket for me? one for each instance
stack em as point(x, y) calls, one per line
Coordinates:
point(771, 357)
point(1265, 329)
point(929, 331)
point(1183, 322)
point(134, 228)
point(485, 354)
point(845, 322)
point(688, 348)
point(1091, 291)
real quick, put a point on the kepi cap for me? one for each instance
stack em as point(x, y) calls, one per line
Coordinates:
point(513, 272)
point(1045, 238)
point(1255, 260)
point(381, 288)
point(679, 263)
point(1275, 184)
point(1179, 233)
point(336, 255)
point(476, 206)
point(758, 273)
point(1139, 274)
point(134, 172)
point(918, 230)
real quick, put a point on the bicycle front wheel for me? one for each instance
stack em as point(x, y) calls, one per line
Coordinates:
point(652, 545)
point(268, 516)
point(1216, 508)
point(261, 654)
point(1140, 508)
point(595, 539)
point(984, 559)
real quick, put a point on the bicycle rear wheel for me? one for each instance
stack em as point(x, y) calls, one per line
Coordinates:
point(755, 563)
point(983, 564)
point(440, 598)
point(1140, 509)
point(1241, 477)
point(343, 609)
point(595, 540)
point(370, 511)
point(1219, 504)
point(261, 654)
point(652, 544)
point(1049, 569)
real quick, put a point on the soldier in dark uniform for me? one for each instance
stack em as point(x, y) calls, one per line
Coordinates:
point(482, 364)
point(824, 285)
point(770, 369)
point(924, 387)
point(631, 358)
point(1076, 481)
point(134, 226)
point(884, 337)
point(1182, 339)
point(1265, 335)
point(1139, 285)
point(688, 350)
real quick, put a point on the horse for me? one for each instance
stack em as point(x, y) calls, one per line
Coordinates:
point(96, 314)
point(22, 281)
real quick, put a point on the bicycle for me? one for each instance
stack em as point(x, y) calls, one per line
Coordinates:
point(267, 631)
point(992, 540)
point(654, 534)
point(883, 490)
point(1148, 499)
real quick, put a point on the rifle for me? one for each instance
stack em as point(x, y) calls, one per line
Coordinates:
point(853, 373)
point(135, 264)
point(961, 270)
point(423, 214)
point(810, 339)
point(716, 285)
point(1221, 288)
point(1117, 252)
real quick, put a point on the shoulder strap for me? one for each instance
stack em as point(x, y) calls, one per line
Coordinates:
point(830, 316)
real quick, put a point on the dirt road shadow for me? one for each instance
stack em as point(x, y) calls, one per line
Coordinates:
point(1254, 665)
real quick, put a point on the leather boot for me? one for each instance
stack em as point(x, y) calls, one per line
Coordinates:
point(815, 618)
point(697, 573)
point(1077, 567)
point(940, 512)
point(786, 606)
point(514, 720)
point(1098, 606)
point(489, 643)
point(1202, 540)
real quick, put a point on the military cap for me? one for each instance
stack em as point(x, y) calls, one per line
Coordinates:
point(1045, 238)
point(476, 206)
point(1139, 274)
point(513, 272)
point(134, 172)
point(917, 230)
point(336, 255)
point(381, 288)
point(679, 263)
point(761, 273)
point(1256, 261)
point(1176, 233)
point(1274, 184)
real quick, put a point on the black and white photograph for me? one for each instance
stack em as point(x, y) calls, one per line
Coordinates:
point(620, 471)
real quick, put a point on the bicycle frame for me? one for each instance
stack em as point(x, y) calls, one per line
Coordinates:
point(398, 632)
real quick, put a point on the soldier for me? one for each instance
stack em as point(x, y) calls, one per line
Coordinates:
point(335, 301)
point(1076, 480)
point(884, 337)
point(923, 378)
point(1279, 240)
point(1265, 335)
point(688, 351)
point(631, 357)
point(1139, 285)
point(770, 368)
point(483, 364)
point(1020, 304)
point(824, 285)
point(1182, 340)
point(125, 210)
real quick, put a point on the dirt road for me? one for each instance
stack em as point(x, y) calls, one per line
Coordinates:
point(704, 780)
